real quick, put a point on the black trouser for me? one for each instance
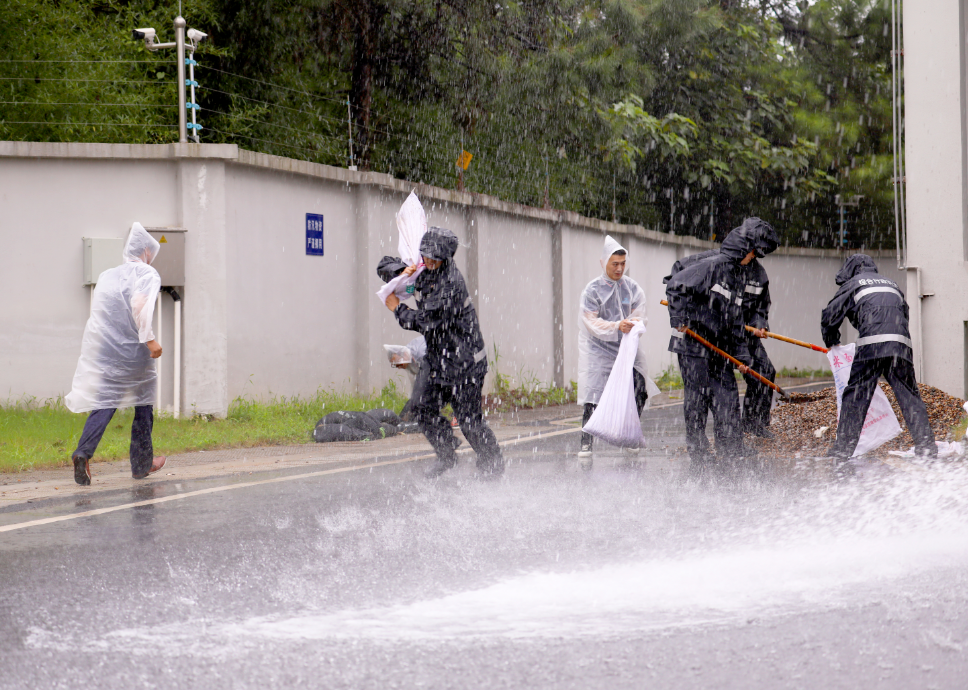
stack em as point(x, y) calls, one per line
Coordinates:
point(709, 384)
point(759, 396)
point(465, 398)
point(641, 395)
point(141, 451)
point(859, 393)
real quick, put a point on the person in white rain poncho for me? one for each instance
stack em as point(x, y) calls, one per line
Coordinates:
point(116, 368)
point(609, 306)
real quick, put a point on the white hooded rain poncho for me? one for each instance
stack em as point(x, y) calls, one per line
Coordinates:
point(604, 302)
point(115, 368)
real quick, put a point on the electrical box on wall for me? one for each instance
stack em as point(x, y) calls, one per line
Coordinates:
point(170, 262)
point(100, 254)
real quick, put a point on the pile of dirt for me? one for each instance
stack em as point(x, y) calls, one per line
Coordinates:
point(795, 424)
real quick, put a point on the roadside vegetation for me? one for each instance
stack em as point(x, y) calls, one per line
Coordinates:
point(680, 115)
point(36, 434)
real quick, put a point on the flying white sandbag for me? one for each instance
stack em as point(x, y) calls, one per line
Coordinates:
point(411, 224)
point(616, 419)
point(881, 424)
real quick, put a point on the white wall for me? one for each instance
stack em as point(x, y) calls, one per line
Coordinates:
point(261, 317)
point(45, 210)
point(935, 150)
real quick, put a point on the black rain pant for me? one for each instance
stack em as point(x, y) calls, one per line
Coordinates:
point(759, 397)
point(857, 399)
point(709, 384)
point(465, 398)
point(641, 396)
point(141, 451)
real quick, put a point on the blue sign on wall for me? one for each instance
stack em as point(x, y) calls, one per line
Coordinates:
point(314, 234)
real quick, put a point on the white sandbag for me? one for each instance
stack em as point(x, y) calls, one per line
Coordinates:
point(616, 419)
point(881, 424)
point(411, 224)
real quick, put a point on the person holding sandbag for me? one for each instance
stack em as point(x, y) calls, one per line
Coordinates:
point(456, 360)
point(609, 307)
point(877, 309)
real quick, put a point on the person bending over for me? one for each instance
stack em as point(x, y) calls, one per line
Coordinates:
point(875, 306)
point(706, 297)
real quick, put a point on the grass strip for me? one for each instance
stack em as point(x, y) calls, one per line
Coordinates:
point(44, 435)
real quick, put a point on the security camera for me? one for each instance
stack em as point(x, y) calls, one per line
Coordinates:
point(146, 35)
point(196, 35)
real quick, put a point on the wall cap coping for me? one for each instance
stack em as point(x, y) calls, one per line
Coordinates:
point(233, 154)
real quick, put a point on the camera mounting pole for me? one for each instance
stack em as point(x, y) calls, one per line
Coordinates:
point(180, 25)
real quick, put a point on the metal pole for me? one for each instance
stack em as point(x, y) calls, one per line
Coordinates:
point(176, 403)
point(180, 57)
point(841, 225)
point(349, 123)
point(900, 135)
point(158, 370)
point(896, 180)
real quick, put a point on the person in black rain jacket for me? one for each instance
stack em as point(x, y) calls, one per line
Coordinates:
point(706, 297)
point(875, 306)
point(756, 310)
point(456, 359)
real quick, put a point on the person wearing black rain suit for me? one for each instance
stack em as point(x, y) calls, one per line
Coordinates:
point(706, 297)
point(875, 306)
point(456, 357)
point(756, 309)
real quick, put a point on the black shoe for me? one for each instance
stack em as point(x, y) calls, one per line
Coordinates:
point(438, 468)
point(82, 471)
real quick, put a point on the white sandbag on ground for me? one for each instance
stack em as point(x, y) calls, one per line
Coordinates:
point(881, 424)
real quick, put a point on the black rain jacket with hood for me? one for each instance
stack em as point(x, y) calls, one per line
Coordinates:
point(874, 305)
point(445, 315)
point(762, 239)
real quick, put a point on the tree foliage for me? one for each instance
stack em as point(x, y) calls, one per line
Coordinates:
point(682, 115)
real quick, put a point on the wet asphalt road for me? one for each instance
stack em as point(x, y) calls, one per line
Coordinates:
point(626, 576)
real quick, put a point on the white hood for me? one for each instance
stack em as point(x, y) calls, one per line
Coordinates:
point(140, 246)
point(611, 246)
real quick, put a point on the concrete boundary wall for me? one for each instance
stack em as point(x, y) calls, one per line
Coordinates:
point(261, 318)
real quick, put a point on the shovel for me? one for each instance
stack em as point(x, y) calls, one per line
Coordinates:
point(759, 377)
point(794, 341)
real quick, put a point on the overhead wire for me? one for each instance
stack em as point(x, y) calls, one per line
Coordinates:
point(50, 62)
point(269, 124)
point(274, 105)
point(127, 105)
point(267, 141)
point(340, 101)
point(109, 81)
point(85, 124)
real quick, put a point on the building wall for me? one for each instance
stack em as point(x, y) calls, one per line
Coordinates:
point(262, 318)
point(935, 153)
point(45, 210)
